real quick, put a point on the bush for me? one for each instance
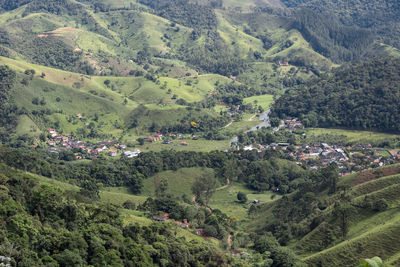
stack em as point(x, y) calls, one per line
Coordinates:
point(381, 205)
point(242, 197)
point(129, 205)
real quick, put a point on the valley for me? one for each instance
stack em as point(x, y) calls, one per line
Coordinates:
point(199, 133)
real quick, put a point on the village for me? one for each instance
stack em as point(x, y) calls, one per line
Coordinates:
point(88, 150)
point(349, 159)
point(84, 150)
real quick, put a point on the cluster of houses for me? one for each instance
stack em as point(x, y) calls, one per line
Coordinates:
point(82, 150)
point(5, 261)
point(165, 217)
point(320, 155)
point(160, 137)
point(349, 159)
point(292, 124)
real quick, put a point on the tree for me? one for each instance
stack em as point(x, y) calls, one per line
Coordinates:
point(35, 101)
point(275, 122)
point(344, 212)
point(204, 187)
point(242, 197)
point(381, 205)
point(90, 189)
point(161, 187)
point(330, 175)
point(265, 243)
point(141, 141)
point(129, 205)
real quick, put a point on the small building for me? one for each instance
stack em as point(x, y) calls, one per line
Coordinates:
point(149, 139)
point(51, 143)
point(113, 153)
point(161, 218)
point(130, 154)
point(98, 151)
point(79, 116)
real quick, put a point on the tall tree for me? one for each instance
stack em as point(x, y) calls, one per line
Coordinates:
point(204, 187)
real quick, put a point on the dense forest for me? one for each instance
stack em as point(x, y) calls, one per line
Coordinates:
point(44, 225)
point(362, 96)
point(8, 110)
point(184, 12)
point(328, 36)
point(381, 17)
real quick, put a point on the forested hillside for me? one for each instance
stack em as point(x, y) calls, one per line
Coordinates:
point(362, 96)
point(330, 37)
point(44, 225)
point(381, 17)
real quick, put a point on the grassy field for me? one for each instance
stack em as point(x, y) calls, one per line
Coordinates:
point(179, 182)
point(200, 145)
point(352, 135)
point(265, 101)
point(226, 200)
point(110, 99)
point(248, 121)
point(378, 240)
point(247, 5)
point(27, 126)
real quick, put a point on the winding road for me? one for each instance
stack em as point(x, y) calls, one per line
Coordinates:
point(264, 117)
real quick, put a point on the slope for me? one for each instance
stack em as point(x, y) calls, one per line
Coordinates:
point(52, 98)
point(372, 230)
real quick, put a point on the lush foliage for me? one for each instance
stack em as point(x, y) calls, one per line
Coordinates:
point(382, 17)
point(7, 109)
point(185, 12)
point(44, 225)
point(331, 38)
point(361, 97)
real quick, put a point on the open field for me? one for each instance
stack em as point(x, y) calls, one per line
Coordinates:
point(200, 145)
point(226, 200)
point(179, 182)
point(352, 135)
point(265, 101)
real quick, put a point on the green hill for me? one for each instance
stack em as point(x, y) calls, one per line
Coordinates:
point(368, 204)
point(360, 97)
point(52, 98)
